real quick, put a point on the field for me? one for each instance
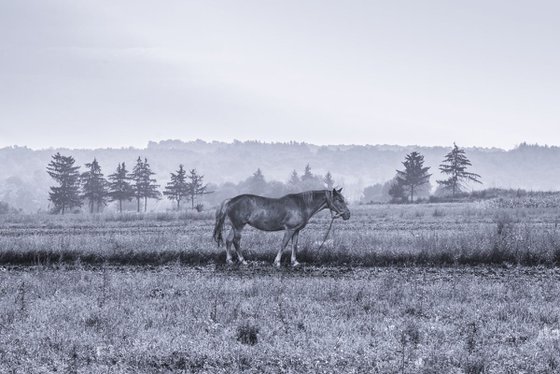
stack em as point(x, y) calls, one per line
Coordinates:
point(465, 288)
point(379, 235)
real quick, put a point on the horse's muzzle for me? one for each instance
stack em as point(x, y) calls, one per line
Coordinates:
point(346, 216)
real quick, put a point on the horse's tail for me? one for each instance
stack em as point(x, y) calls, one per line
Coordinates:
point(220, 219)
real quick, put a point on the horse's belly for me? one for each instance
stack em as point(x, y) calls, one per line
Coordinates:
point(267, 226)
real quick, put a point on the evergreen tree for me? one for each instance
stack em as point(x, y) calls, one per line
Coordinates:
point(177, 189)
point(414, 173)
point(256, 183)
point(195, 186)
point(307, 175)
point(455, 166)
point(294, 181)
point(119, 186)
point(137, 180)
point(94, 187)
point(144, 186)
point(66, 195)
point(328, 180)
point(310, 181)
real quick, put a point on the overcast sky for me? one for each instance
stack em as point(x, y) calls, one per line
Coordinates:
point(120, 73)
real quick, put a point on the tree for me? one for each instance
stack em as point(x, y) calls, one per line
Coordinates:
point(67, 194)
point(256, 183)
point(144, 186)
point(414, 173)
point(310, 181)
point(396, 191)
point(307, 175)
point(177, 189)
point(94, 186)
point(455, 166)
point(294, 181)
point(195, 186)
point(119, 186)
point(328, 180)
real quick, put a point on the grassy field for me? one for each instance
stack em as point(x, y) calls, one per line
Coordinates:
point(444, 288)
point(379, 235)
point(259, 319)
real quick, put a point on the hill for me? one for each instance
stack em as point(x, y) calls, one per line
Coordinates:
point(24, 182)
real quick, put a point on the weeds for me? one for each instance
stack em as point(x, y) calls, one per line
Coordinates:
point(21, 300)
point(247, 334)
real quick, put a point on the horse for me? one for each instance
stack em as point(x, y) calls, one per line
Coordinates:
point(290, 213)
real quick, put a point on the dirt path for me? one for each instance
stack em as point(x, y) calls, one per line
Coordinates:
point(262, 269)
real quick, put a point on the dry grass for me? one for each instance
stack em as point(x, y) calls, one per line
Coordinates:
point(441, 234)
point(72, 311)
point(211, 320)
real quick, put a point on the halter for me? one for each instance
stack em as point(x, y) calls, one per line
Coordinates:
point(332, 207)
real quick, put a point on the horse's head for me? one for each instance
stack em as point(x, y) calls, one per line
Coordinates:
point(338, 204)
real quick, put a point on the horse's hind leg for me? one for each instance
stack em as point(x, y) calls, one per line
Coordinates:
point(237, 243)
point(294, 248)
point(287, 236)
point(229, 240)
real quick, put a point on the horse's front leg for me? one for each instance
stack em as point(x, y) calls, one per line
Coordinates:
point(287, 236)
point(294, 248)
point(237, 245)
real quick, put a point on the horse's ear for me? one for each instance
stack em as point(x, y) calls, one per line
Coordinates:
point(339, 190)
point(334, 191)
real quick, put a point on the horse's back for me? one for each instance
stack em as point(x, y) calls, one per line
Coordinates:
point(264, 213)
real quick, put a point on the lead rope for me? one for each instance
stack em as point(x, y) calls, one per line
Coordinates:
point(333, 217)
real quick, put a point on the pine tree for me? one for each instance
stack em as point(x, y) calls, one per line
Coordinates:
point(307, 175)
point(455, 166)
point(144, 186)
point(137, 180)
point(119, 186)
point(414, 173)
point(256, 183)
point(328, 180)
point(94, 186)
point(196, 186)
point(177, 189)
point(294, 181)
point(66, 195)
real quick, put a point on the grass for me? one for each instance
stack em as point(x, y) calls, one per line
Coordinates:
point(212, 320)
point(442, 234)
point(110, 293)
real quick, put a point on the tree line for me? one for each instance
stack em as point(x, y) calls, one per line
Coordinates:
point(73, 188)
point(414, 177)
point(258, 184)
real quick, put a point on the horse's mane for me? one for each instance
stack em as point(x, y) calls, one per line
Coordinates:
point(308, 197)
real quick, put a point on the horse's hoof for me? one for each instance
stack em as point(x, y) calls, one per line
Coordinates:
point(243, 262)
point(295, 264)
point(277, 264)
point(229, 262)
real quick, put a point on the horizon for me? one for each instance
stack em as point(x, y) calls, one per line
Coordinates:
point(233, 141)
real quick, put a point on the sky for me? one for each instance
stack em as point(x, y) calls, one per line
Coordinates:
point(119, 73)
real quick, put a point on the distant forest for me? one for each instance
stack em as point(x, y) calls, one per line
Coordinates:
point(268, 168)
